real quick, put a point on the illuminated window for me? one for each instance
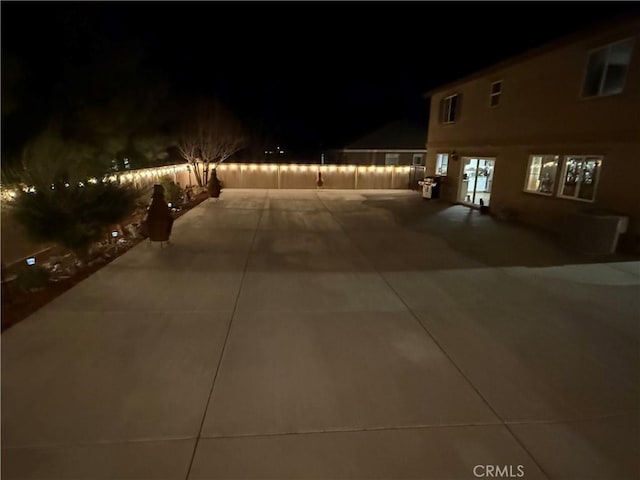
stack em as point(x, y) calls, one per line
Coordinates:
point(391, 158)
point(496, 91)
point(580, 177)
point(442, 163)
point(607, 69)
point(449, 109)
point(541, 174)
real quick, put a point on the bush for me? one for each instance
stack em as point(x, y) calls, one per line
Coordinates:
point(73, 216)
point(173, 193)
point(31, 278)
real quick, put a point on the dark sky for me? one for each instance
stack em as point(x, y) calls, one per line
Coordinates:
point(308, 73)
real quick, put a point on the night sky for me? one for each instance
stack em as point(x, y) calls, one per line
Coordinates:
point(308, 75)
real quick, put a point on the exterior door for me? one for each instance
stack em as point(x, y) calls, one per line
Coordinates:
point(476, 180)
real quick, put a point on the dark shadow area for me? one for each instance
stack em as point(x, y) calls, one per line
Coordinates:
point(481, 237)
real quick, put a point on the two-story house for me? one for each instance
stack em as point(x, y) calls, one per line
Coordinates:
point(547, 134)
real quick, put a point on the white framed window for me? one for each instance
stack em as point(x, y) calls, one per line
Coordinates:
point(495, 92)
point(580, 177)
point(391, 158)
point(607, 69)
point(417, 159)
point(449, 108)
point(442, 164)
point(541, 174)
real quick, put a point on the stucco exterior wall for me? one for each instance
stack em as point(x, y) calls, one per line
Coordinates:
point(541, 111)
point(306, 176)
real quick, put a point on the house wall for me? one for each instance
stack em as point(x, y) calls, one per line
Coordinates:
point(541, 111)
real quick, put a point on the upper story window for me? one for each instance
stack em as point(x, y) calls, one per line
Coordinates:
point(449, 109)
point(607, 69)
point(496, 91)
point(442, 164)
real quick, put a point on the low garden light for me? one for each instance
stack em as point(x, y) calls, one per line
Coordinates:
point(31, 261)
point(114, 234)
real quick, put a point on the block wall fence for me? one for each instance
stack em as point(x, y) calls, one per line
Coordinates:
point(281, 176)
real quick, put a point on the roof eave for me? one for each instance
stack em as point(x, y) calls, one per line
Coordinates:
point(586, 32)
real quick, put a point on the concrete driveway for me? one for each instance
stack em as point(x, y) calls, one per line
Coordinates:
point(331, 334)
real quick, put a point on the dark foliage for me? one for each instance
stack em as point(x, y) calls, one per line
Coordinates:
point(31, 278)
point(73, 216)
point(173, 193)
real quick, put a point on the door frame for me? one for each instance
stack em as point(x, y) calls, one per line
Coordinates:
point(460, 183)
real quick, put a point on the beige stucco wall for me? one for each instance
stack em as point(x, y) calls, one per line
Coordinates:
point(306, 176)
point(238, 175)
point(541, 112)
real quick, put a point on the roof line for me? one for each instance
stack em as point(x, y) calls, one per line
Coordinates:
point(381, 150)
point(585, 32)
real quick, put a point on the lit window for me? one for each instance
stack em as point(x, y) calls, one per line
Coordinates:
point(541, 174)
point(391, 158)
point(442, 163)
point(449, 109)
point(496, 91)
point(580, 177)
point(607, 69)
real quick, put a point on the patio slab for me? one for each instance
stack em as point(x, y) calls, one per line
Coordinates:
point(300, 372)
point(317, 292)
point(331, 334)
point(595, 449)
point(166, 460)
point(534, 353)
point(305, 251)
point(82, 377)
point(137, 290)
point(447, 453)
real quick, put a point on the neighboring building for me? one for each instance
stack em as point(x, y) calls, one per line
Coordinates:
point(546, 134)
point(398, 143)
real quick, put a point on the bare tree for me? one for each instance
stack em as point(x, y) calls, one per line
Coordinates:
point(211, 136)
point(189, 147)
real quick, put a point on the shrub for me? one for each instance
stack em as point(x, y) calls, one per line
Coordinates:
point(173, 193)
point(31, 278)
point(73, 216)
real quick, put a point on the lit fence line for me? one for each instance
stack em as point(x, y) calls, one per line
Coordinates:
point(302, 176)
point(282, 176)
point(267, 175)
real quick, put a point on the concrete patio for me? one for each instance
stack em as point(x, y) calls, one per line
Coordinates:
point(331, 334)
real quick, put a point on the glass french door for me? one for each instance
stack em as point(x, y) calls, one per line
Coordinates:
point(477, 178)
